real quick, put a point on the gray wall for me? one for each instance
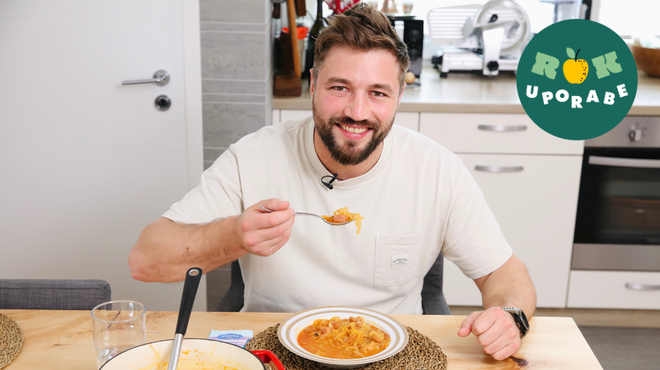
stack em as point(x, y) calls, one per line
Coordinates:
point(236, 38)
point(237, 75)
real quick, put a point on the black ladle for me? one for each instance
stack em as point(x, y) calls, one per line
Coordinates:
point(193, 276)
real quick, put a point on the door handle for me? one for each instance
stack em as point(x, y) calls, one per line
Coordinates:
point(502, 128)
point(499, 168)
point(161, 78)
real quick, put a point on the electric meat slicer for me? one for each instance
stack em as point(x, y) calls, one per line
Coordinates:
point(488, 38)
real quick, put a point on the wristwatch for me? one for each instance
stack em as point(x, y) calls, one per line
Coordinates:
point(520, 319)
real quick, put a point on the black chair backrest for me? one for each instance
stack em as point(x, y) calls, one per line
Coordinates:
point(433, 300)
point(52, 294)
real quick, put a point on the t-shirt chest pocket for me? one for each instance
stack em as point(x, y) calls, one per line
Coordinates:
point(397, 258)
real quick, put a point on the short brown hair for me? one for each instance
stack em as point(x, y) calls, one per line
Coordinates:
point(364, 28)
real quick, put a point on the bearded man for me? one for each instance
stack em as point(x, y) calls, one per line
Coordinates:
point(417, 198)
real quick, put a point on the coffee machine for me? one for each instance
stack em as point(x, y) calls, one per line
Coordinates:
point(411, 31)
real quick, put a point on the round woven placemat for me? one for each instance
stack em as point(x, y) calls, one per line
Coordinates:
point(11, 340)
point(421, 353)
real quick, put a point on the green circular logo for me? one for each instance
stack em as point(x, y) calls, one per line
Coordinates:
point(577, 79)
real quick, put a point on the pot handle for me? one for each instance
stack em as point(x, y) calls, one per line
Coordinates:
point(268, 356)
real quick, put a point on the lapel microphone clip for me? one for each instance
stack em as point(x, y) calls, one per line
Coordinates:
point(328, 184)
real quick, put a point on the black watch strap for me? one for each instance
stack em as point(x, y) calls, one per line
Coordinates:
point(519, 318)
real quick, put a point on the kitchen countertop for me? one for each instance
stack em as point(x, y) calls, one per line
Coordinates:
point(472, 93)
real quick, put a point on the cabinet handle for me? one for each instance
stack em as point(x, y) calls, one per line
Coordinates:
point(635, 286)
point(499, 168)
point(502, 128)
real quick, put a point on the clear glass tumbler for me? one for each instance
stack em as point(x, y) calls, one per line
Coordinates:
point(118, 326)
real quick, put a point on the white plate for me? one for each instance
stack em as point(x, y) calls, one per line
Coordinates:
point(291, 327)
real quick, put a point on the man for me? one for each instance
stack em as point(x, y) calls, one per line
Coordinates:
point(416, 197)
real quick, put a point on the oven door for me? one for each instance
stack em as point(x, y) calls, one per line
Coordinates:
point(618, 216)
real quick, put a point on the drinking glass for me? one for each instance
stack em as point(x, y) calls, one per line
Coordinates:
point(118, 326)
point(407, 6)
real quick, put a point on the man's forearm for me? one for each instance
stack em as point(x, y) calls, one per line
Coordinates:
point(509, 286)
point(165, 249)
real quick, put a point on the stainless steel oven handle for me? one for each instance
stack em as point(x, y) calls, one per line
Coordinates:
point(635, 286)
point(624, 162)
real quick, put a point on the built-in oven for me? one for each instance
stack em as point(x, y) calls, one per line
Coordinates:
point(618, 215)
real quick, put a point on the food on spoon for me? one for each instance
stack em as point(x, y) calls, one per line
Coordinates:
point(339, 218)
point(343, 215)
point(343, 338)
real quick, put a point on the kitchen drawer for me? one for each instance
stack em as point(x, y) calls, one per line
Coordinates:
point(535, 206)
point(287, 114)
point(493, 133)
point(607, 289)
point(405, 119)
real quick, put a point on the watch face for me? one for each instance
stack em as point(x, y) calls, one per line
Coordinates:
point(520, 319)
point(524, 319)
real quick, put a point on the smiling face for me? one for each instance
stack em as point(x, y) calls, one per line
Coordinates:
point(354, 99)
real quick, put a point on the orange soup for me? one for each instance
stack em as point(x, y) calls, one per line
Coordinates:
point(343, 338)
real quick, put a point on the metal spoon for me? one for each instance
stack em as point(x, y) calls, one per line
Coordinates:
point(312, 214)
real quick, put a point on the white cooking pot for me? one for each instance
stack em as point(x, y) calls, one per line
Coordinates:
point(196, 354)
point(190, 354)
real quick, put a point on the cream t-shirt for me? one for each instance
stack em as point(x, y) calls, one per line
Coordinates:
point(417, 201)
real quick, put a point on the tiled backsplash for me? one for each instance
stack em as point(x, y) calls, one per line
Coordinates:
point(237, 71)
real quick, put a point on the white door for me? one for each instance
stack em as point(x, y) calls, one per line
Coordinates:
point(86, 163)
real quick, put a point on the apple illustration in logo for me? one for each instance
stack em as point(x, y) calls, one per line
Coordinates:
point(575, 70)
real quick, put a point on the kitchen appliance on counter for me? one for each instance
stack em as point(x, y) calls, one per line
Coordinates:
point(488, 37)
point(618, 215)
point(569, 9)
point(411, 31)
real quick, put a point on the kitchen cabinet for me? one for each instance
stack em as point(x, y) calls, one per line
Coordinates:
point(494, 133)
point(614, 289)
point(535, 208)
point(286, 115)
point(275, 117)
point(405, 119)
point(530, 180)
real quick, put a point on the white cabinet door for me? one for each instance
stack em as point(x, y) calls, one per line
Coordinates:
point(536, 210)
point(493, 133)
point(407, 119)
point(286, 114)
point(85, 162)
point(275, 117)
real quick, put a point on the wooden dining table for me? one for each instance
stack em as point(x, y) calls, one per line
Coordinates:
point(63, 339)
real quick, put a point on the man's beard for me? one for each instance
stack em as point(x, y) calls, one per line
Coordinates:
point(349, 154)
